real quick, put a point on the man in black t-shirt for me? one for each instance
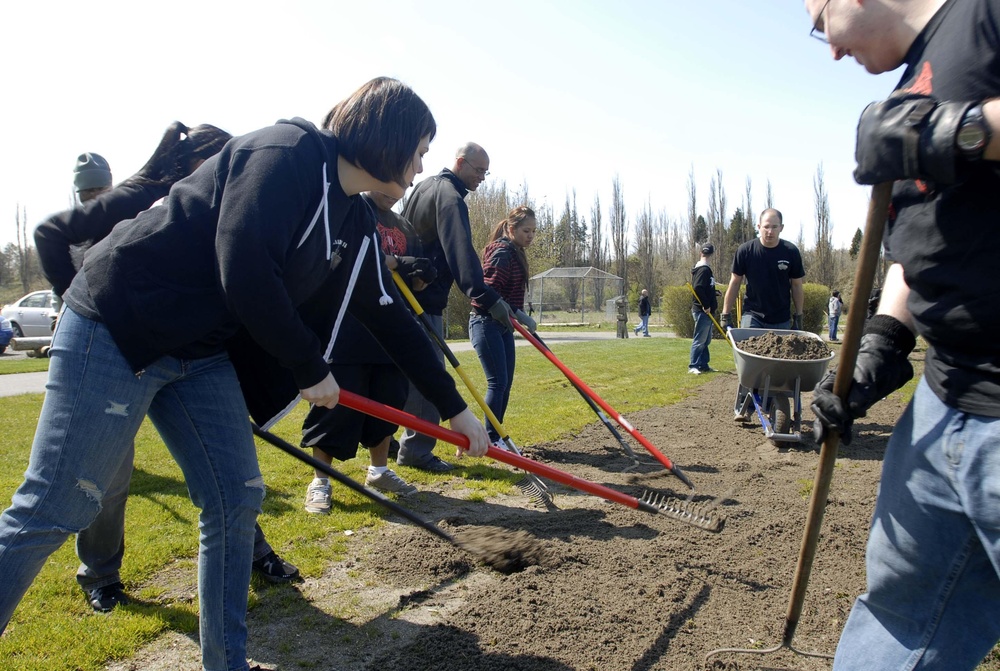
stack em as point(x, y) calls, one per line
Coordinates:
point(933, 558)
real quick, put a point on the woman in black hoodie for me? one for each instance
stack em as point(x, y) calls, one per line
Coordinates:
point(249, 261)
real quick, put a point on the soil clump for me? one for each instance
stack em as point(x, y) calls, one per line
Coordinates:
point(785, 346)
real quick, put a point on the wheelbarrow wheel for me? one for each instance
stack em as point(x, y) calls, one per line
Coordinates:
point(781, 416)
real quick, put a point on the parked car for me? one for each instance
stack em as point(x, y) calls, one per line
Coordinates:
point(6, 333)
point(31, 315)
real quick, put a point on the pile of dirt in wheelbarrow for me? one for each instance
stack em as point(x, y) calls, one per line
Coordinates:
point(785, 346)
point(617, 590)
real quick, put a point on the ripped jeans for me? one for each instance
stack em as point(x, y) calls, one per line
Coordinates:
point(93, 407)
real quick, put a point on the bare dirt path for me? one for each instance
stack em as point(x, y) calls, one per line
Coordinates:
point(619, 590)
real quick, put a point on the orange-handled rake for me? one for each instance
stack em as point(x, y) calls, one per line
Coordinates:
point(624, 423)
point(650, 502)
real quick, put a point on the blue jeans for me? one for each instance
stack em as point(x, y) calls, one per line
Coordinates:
point(495, 346)
point(933, 558)
point(751, 321)
point(833, 326)
point(701, 339)
point(92, 410)
point(643, 325)
point(416, 448)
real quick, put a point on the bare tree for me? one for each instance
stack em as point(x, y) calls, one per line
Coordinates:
point(717, 216)
point(769, 199)
point(23, 248)
point(644, 250)
point(823, 270)
point(598, 246)
point(694, 234)
point(619, 228)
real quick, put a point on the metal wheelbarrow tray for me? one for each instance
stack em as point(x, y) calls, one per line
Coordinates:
point(774, 383)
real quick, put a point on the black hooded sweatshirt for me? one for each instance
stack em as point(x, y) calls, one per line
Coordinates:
point(239, 257)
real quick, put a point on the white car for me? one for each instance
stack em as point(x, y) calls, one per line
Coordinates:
point(32, 315)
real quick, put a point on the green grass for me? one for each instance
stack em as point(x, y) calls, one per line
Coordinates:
point(23, 365)
point(55, 629)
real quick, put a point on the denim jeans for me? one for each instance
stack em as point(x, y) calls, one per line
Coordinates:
point(643, 325)
point(701, 339)
point(416, 448)
point(92, 410)
point(495, 346)
point(834, 319)
point(933, 558)
point(751, 321)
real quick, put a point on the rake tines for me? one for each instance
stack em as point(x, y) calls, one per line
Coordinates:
point(684, 511)
point(536, 491)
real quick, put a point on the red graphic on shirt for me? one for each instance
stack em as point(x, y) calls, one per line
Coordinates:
point(393, 240)
point(922, 84)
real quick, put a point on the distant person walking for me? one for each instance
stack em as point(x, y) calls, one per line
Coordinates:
point(703, 305)
point(645, 310)
point(833, 313)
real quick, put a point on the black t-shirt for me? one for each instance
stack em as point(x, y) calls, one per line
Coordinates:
point(769, 272)
point(947, 240)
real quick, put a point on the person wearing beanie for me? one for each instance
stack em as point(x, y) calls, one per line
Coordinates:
point(91, 176)
point(702, 306)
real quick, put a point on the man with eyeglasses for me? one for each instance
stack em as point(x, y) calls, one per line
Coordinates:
point(933, 558)
point(440, 216)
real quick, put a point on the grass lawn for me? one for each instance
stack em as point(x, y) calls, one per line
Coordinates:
point(55, 629)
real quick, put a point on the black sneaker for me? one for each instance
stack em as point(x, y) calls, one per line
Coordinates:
point(104, 599)
point(273, 568)
point(434, 464)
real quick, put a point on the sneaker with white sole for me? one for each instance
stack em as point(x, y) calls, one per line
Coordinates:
point(390, 482)
point(318, 496)
point(694, 371)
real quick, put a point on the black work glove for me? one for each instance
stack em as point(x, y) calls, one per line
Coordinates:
point(419, 268)
point(726, 321)
point(908, 136)
point(525, 321)
point(171, 159)
point(502, 313)
point(797, 322)
point(881, 369)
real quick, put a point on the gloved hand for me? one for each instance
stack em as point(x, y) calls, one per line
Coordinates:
point(169, 161)
point(881, 369)
point(908, 136)
point(416, 268)
point(726, 321)
point(797, 322)
point(502, 313)
point(526, 321)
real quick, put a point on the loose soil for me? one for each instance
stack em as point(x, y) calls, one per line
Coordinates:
point(785, 346)
point(604, 587)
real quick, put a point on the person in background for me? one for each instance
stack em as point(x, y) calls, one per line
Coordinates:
point(360, 365)
point(645, 310)
point(703, 304)
point(101, 546)
point(252, 248)
point(933, 554)
point(833, 310)
point(439, 214)
point(773, 271)
point(505, 269)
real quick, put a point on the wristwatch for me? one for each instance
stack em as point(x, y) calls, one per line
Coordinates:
point(973, 134)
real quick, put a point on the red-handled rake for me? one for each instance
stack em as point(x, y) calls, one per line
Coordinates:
point(582, 386)
point(701, 517)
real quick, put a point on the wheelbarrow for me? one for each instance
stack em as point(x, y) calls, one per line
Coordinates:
point(771, 387)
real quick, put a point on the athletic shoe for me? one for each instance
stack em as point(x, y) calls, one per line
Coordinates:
point(708, 369)
point(105, 599)
point(433, 464)
point(318, 497)
point(273, 568)
point(390, 482)
point(694, 371)
point(260, 666)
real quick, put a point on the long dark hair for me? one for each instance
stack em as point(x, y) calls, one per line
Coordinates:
point(515, 218)
point(379, 127)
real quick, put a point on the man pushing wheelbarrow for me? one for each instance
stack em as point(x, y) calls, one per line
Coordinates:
point(773, 270)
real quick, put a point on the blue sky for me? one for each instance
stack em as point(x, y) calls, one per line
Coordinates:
point(562, 94)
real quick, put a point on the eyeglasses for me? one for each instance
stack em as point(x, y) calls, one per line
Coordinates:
point(817, 32)
point(482, 172)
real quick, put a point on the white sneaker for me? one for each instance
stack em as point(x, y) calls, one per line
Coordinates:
point(390, 482)
point(500, 445)
point(694, 371)
point(318, 497)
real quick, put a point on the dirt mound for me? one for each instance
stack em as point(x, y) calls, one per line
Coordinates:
point(785, 346)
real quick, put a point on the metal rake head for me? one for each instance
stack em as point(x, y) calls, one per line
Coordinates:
point(700, 516)
point(535, 490)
